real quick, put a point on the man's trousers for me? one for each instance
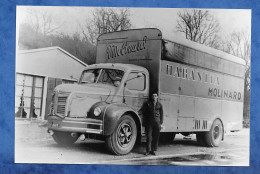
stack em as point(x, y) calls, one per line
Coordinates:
point(153, 133)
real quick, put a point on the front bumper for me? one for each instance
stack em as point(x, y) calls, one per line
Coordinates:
point(79, 125)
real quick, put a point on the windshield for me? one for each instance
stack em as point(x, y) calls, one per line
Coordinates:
point(104, 76)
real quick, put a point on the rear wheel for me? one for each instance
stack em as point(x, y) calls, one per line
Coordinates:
point(201, 139)
point(123, 138)
point(64, 138)
point(213, 137)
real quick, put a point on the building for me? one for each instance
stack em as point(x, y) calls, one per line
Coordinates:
point(38, 71)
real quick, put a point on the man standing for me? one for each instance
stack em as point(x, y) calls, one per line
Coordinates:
point(152, 112)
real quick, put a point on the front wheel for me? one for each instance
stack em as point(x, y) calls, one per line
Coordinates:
point(123, 138)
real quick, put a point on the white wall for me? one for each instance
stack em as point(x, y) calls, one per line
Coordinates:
point(50, 63)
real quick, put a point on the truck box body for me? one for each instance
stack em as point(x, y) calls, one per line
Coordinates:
point(196, 84)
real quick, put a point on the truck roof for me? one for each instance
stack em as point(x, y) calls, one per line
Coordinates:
point(155, 33)
point(204, 49)
point(118, 65)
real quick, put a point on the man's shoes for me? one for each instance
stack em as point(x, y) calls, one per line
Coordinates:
point(153, 153)
point(147, 153)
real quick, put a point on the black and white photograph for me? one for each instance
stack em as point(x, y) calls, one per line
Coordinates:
point(132, 86)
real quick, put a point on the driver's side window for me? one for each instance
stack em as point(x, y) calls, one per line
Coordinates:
point(137, 83)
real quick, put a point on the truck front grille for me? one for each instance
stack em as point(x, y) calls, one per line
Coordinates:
point(61, 105)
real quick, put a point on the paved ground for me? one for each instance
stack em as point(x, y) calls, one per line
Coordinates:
point(34, 145)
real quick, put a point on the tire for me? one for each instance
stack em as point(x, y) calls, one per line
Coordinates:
point(214, 136)
point(201, 139)
point(123, 139)
point(64, 138)
point(167, 137)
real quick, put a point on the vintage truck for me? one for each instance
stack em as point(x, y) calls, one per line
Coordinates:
point(200, 88)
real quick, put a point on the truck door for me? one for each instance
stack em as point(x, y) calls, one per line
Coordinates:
point(187, 92)
point(169, 95)
point(136, 90)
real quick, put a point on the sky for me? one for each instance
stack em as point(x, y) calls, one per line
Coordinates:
point(163, 18)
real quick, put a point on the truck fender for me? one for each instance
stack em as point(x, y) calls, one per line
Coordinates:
point(113, 113)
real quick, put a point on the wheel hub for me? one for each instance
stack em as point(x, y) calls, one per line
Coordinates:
point(124, 135)
point(216, 132)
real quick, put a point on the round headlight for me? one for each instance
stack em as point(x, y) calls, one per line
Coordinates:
point(97, 111)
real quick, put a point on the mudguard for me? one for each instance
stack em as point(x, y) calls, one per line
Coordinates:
point(113, 113)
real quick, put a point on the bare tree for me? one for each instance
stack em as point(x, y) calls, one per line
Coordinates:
point(39, 29)
point(199, 26)
point(239, 44)
point(42, 21)
point(106, 20)
point(76, 45)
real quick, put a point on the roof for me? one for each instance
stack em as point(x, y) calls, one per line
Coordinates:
point(204, 49)
point(52, 48)
point(136, 34)
point(155, 33)
point(118, 65)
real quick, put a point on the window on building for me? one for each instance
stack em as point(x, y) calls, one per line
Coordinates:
point(28, 96)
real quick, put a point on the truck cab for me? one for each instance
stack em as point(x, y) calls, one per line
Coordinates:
point(105, 103)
